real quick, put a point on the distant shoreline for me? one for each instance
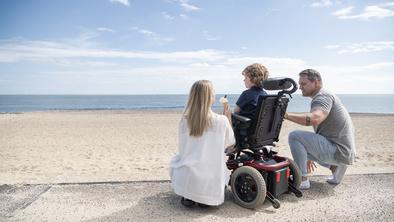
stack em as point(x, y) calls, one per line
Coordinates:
point(153, 110)
point(23, 104)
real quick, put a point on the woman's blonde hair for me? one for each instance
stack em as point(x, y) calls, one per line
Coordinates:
point(198, 108)
point(257, 74)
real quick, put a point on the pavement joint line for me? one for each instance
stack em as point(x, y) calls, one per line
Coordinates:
point(98, 183)
point(155, 181)
point(28, 203)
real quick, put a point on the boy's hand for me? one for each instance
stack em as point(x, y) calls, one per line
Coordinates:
point(227, 113)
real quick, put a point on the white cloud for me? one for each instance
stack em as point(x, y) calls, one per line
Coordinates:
point(227, 78)
point(167, 16)
point(171, 78)
point(388, 4)
point(103, 29)
point(18, 50)
point(355, 70)
point(272, 11)
point(321, 3)
point(183, 16)
point(86, 36)
point(82, 63)
point(123, 2)
point(272, 61)
point(154, 37)
point(331, 46)
point(210, 37)
point(147, 33)
point(343, 12)
point(363, 47)
point(189, 7)
point(200, 64)
point(370, 12)
point(186, 5)
point(365, 79)
point(46, 51)
point(381, 65)
point(174, 72)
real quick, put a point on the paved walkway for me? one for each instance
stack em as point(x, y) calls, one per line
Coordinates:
point(358, 198)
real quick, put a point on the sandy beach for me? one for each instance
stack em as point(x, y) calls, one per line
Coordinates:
point(99, 146)
point(113, 166)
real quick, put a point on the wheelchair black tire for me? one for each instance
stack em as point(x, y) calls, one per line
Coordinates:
point(295, 174)
point(255, 186)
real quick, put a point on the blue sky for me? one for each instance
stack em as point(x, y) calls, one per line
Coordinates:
point(163, 46)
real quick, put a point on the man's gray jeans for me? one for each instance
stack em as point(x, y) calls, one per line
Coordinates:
point(306, 145)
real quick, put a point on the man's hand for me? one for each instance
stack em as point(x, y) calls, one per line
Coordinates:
point(311, 166)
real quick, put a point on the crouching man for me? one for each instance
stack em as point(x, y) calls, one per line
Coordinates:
point(332, 144)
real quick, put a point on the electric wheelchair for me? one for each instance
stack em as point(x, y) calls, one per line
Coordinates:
point(257, 171)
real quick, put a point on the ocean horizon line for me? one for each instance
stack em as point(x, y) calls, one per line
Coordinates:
point(169, 94)
point(357, 103)
point(170, 109)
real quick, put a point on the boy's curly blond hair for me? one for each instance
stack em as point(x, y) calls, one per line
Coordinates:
point(257, 74)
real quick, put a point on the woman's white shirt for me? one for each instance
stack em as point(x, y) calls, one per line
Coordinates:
point(199, 171)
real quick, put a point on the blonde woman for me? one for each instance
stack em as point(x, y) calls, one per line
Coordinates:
point(199, 173)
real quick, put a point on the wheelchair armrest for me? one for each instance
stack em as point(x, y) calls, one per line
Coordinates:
point(240, 123)
point(242, 119)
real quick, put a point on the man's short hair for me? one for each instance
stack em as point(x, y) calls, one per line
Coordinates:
point(312, 74)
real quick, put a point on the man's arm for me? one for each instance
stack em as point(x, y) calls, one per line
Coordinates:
point(313, 118)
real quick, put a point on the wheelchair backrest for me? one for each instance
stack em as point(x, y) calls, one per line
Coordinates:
point(265, 127)
point(267, 123)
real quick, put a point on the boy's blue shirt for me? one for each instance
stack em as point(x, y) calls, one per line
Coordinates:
point(247, 101)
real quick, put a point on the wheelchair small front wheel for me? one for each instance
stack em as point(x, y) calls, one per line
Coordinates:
point(276, 203)
point(248, 187)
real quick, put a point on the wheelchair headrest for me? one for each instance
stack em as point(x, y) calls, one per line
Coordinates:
point(280, 83)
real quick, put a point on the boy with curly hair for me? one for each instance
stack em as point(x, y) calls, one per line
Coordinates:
point(254, 75)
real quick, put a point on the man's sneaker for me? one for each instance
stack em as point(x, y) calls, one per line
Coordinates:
point(305, 184)
point(338, 175)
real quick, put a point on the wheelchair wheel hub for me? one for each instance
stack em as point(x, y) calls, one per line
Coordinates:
point(246, 187)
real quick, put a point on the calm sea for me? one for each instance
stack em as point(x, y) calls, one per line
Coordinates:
point(27, 103)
